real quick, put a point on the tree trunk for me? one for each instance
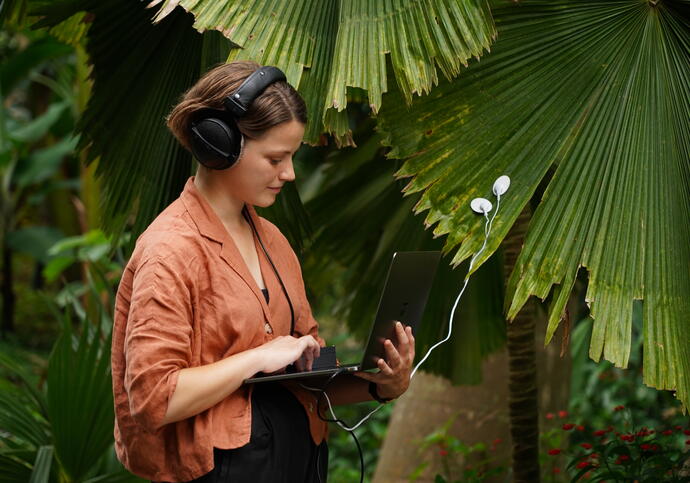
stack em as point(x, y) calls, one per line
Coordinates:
point(430, 401)
point(523, 403)
point(522, 370)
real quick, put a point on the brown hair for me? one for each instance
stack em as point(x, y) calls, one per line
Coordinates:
point(280, 102)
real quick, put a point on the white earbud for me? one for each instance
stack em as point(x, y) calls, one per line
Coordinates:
point(481, 205)
point(501, 185)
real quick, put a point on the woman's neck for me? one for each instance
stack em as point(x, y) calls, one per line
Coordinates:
point(227, 207)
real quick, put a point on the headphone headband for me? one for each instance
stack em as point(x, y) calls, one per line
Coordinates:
point(238, 103)
point(216, 141)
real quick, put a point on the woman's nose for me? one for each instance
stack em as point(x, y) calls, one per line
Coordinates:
point(288, 171)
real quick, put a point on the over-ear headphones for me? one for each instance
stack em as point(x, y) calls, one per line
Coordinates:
point(216, 141)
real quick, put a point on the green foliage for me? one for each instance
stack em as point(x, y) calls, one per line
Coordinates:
point(460, 462)
point(343, 457)
point(37, 162)
point(34, 241)
point(93, 249)
point(597, 94)
point(63, 431)
point(35, 140)
point(19, 63)
point(326, 48)
point(635, 432)
point(595, 388)
point(623, 451)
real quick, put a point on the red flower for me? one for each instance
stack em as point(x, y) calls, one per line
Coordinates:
point(599, 432)
point(627, 437)
point(554, 452)
point(556, 471)
point(497, 441)
point(562, 414)
point(679, 427)
point(687, 442)
point(646, 447)
point(621, 458)
point(568, 426)
point(549, 415)
point(443, 452)
point(580, 427)
point(586, 445)
point(687, 431)
point(594, 455)
point(620, 407)
point(583, 464)
point(668, 432)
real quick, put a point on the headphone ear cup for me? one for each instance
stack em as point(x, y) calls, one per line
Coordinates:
point(216, 143)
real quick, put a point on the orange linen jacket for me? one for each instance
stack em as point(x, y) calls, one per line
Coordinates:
point(187, 299)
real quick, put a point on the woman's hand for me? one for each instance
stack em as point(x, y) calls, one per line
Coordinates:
point(285, 349)
point(393, 377)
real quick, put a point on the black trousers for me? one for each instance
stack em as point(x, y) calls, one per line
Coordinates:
point(280, 449)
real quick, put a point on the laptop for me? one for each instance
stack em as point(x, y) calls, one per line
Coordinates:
point(404, 297)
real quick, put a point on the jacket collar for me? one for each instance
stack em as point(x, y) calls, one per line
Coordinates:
point(210, 226)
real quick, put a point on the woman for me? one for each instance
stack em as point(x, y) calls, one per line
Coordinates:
point(213, 294)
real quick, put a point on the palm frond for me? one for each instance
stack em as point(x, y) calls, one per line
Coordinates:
point(600, 90)
point(327, 47)
point(41, 470)
point(13, 469)
point(20, 419)
point(80, 399)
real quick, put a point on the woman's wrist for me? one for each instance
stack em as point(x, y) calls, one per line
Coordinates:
point(257, 358)
point(376, 395)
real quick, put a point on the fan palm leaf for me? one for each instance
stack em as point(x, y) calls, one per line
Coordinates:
point(589, 99)
point(326, 47)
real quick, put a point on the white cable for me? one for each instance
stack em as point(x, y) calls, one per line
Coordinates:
point(487, 231)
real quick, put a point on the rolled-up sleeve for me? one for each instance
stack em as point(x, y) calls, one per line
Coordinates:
point(158, 339)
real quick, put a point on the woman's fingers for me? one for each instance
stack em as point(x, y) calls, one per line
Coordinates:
point(393, 377)
point(410, 339)
point(405, 340)
point(392, 354)
point(401, 353)
point(311, 351)
point(384, 367)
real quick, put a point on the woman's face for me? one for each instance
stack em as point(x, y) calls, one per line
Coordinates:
point(265, 165)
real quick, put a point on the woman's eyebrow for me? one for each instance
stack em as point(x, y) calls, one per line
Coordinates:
point(286, 151)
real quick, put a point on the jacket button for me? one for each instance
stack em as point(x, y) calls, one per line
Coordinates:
point(268, 328)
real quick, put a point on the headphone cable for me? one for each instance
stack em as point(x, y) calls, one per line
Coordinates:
point(245, 212)
point(339, 422)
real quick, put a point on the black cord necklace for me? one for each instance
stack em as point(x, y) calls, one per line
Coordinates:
point(248, 217)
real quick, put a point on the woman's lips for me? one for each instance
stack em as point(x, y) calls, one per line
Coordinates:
point(277, 190)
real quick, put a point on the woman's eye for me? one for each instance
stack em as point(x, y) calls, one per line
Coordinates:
point(275, 161)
